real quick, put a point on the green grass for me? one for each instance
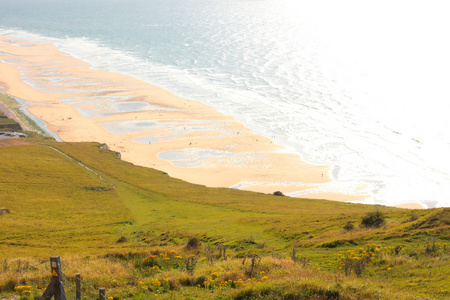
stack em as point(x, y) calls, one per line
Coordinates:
point(7, 124)
point(35, 130)
point(59, 207)
point(49, 205)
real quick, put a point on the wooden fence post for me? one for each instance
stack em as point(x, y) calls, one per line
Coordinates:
point(78, 286)
point(101, 294)
point(55, 287)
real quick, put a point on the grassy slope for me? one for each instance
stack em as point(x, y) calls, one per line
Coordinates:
point(6, 123)
point(49, 204)
point(26, 121)
point(58, 207)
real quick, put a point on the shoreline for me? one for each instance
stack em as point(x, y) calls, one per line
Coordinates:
point(152, 127)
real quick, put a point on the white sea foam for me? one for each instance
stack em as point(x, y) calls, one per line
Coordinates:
point(210, 158)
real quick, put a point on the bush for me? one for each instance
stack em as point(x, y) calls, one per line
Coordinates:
point(193, 243)
point(373, 220)
point(97, 188)
point(354, 264)
point(333, 244)
point(122, 239)
point(278, 193)
point(190, 263)
point(9, 285)
point(287, 291)
point(349, 226)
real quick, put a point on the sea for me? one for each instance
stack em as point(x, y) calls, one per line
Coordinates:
point(361, 86)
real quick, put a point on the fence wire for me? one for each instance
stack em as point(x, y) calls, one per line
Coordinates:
point(66, 290)
point(100, 296)
point(70, 287)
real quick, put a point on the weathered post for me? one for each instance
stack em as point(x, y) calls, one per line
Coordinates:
point(78, 286)
point(55, 287)
point(101, 294)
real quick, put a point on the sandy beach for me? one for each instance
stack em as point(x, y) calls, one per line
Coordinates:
point(151, 127)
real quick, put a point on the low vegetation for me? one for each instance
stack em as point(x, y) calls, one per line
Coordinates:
point(144, 235)
point(7, 124)
point(373, 219)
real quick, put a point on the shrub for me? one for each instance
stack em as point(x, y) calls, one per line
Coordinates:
point(354, 264)
point(97, 188)
point(122, 239)
point(190, 263)
point(373, 220)
point(397, 249)
point(337, 243)
point(349, 226)
point(287, 291)
point(193, 243)
point(261, 246)
point(200, 281)
point(278, 193)
point(209, 253)
point(222, 251)
point(255, 260)
point(431, 248)
point(192, 281)
point(9, 285)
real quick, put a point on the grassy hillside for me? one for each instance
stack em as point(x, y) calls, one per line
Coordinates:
point(133, 230)
point(11, 125)
point(7, 124)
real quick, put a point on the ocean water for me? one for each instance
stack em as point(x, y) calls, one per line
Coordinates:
point(360, 86)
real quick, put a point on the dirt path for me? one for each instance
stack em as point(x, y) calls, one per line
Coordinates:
point(89, 169)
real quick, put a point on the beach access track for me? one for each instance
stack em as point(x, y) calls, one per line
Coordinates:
point(83, 165)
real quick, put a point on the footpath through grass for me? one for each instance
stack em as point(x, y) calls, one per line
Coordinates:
point(142, 235)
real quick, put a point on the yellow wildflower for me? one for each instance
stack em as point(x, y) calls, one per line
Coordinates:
point(214, 274)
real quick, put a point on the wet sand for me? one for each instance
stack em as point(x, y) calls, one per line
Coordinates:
point(152, 127)
point(410, 206)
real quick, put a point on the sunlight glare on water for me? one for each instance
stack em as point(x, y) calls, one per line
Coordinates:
point(361, 86)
